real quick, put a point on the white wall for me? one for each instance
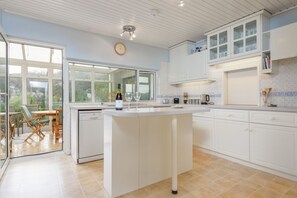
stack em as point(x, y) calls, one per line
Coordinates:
point(83, 45)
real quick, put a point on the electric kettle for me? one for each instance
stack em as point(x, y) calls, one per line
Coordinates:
point(204, 98)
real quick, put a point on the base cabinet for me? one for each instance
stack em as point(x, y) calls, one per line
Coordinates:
point(232, 138)
point(203, 132)
point(274, 147)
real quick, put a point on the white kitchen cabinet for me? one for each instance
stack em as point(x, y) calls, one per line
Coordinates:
point(239, 39)
point(232, 138)
point(245, 37)
point(196, 66)
point(203, 132)
point(284, 42)
point(186, 67)
point(177, 59)
point(274, 118)
point(274, 147)
point(219, 45)
point(230, 114)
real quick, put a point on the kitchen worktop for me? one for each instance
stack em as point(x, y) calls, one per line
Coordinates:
point(254, 108)
point(174, 110)
point(158, 105)
point(112, 106)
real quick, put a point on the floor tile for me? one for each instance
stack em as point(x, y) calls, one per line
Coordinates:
point(56, 175)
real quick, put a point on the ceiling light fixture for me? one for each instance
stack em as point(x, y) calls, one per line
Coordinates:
point(130, 29)
point(181, 3)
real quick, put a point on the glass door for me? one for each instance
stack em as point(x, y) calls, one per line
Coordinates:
point(238, 42)
point(223, 44)
point(218, 45)
point(251, 36)
point(213, 50)
point(4, 143)
point(245, 37)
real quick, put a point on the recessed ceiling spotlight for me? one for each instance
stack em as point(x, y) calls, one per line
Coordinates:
point(154, 12)
point(181, 3)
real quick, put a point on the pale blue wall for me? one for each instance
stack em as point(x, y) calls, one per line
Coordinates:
point(83, 45)
point(284, 18)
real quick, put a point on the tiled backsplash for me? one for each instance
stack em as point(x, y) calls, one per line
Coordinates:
point(283, 83)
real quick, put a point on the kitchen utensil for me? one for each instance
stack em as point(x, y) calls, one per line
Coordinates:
point(176, 100)
point(265, 94)
point(165, 101)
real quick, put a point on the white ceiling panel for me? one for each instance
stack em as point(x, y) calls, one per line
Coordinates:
point(172, 25)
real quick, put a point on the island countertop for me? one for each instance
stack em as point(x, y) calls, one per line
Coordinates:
point(154, 111)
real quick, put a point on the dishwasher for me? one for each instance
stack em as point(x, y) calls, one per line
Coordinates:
point(90, 136)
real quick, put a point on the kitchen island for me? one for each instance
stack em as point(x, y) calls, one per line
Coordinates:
point(146, 145)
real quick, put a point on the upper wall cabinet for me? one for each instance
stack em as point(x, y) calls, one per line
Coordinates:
point(185, 67)
point(237, 39)
point(283, 42)
point(219, 46)
point(245, 37)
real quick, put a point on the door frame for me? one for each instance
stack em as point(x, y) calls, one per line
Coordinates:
point(5, 165)
point(65, 85)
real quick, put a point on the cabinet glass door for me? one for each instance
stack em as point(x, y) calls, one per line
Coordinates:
point(3, 104)
point(238, 42)
point(213, 41)
point(244, 37)
point(223, 40)
point(251, 36)
point(213, 50)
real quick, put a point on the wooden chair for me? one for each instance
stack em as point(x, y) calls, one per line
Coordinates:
point(10, 132)
point(2, 132)
point(55, 107)
point(32, 107)
point(58, 122)
point(35, 123)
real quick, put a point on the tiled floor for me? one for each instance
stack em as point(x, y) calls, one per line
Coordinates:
point(55, 175)
point(35, 145)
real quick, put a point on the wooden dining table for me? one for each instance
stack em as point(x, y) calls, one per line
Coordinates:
point(48, 113)
point(45, 113)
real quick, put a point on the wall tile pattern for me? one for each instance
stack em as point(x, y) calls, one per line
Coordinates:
point(283, 83)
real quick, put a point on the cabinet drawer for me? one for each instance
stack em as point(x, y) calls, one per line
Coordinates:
point(207, 114)
point(274, 118)
point(237, 115)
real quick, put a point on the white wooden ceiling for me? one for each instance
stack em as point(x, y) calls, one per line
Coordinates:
point(172, 25)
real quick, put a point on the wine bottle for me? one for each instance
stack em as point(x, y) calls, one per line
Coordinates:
point(119, 99)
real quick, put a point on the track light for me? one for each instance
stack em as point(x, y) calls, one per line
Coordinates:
point(130, 29)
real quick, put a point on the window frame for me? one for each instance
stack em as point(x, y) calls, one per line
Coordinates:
point(24, 64)
point(92, 69)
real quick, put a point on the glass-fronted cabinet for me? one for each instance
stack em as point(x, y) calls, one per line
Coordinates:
point(245, 37)
point(218, 45)
point(238, 39)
